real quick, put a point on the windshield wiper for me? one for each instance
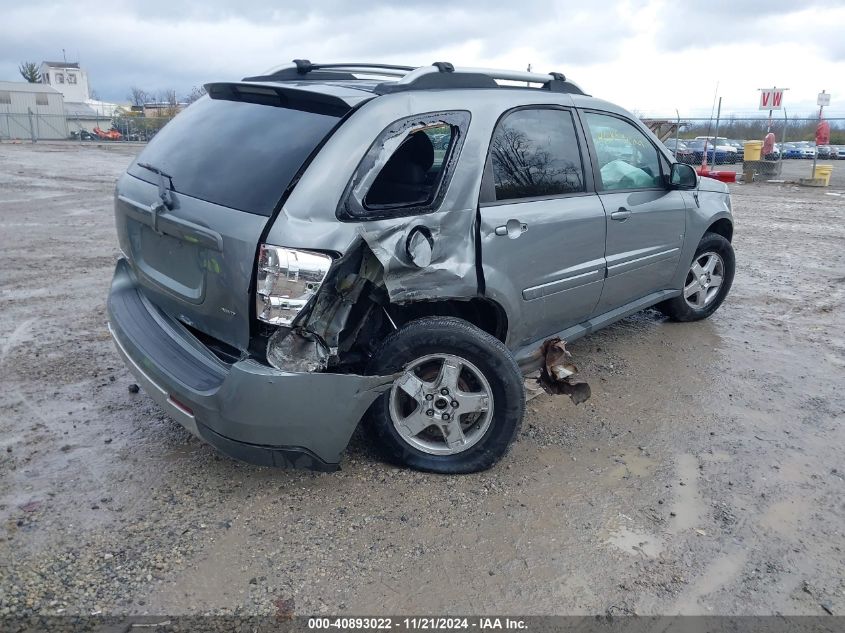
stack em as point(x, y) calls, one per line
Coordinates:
point(163, 188)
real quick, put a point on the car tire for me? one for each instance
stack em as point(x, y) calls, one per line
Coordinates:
point(699, 299)
point(434, 354)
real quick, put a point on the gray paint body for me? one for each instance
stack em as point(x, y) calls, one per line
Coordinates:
point(572, 271)
point(247, 402)
point(574, 259)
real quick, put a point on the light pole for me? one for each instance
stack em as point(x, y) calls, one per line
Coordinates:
point(822, 101)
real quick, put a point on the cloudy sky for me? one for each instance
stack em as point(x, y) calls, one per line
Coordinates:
point(652, 56)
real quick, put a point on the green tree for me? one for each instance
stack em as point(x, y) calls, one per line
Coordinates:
point(29, 71)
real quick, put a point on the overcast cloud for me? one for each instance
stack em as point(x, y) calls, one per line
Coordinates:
point(649, 55)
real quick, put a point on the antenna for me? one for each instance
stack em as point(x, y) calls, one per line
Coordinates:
point(709, 125)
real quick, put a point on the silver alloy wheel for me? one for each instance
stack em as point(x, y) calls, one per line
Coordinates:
point(704, 280)
point(442, 404)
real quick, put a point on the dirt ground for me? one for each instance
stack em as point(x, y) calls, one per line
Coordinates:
point(705, 475)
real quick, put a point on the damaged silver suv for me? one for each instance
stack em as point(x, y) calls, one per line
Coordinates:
point(330, 242)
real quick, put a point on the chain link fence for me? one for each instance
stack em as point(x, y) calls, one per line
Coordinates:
point(33, 126)
point(688, 138)
point(725, 144)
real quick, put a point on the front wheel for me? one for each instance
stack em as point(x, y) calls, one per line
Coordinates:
point(707, 283)
point(457, 403)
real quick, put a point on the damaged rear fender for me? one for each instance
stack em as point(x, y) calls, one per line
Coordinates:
point(380, 275)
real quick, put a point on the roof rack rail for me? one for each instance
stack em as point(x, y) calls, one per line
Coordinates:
point(303, 69)
point(435, 76)
point(438, 75)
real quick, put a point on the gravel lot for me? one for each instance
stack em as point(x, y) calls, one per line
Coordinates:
point(705, 475)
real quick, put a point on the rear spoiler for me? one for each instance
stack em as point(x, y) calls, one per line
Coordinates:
point(280, 96)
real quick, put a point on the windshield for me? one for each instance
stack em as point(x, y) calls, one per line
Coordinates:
point(236, 154)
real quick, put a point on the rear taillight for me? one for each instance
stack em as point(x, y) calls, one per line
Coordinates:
point(286, 280)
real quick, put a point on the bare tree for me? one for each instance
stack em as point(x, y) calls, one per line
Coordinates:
point(171, 103)
point(195, 93)
point(523, 169)
point(167, 96)
point(138, 96)
point(30, 72)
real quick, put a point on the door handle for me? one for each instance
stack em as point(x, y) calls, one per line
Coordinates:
point(513, 229)
point(621, 215)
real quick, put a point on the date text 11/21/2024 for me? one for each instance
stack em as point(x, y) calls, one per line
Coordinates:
point(418, 623)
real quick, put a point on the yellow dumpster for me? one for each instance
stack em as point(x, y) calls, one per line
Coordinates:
point(823, 172)
point(752, 150)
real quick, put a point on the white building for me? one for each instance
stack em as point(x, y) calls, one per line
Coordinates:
point(83, 112)
point(68, 78)
point(31, 111)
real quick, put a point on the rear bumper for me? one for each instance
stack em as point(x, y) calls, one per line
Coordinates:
point(247, 410)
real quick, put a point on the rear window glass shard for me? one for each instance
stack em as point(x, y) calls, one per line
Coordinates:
point(407, 169)
point(238, 154)
point(535, 153)
point(410, 175)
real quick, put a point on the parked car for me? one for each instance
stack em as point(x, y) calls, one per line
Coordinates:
point(739, 146)
point(824, 151)
point(722, 146)
point(296, 257)
point(685, 155)
point(839, 153)
point(680, 150)
point(715, 155)
point(791, 150)
point(674, 144)
point(807, 150)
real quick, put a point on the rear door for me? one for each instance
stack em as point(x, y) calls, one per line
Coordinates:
point(645, 219)
point(542, 226)
point(191, 209)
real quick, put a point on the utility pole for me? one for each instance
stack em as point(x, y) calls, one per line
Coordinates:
point(823, 100)
point(769, 125)
point(716, 133)
point(677, 130)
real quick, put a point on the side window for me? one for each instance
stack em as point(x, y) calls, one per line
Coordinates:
point(626, 158)
point(407, 169)
point(410, 175)
point(534, 153)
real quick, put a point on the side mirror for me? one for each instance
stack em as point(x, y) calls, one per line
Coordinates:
point(683, 176)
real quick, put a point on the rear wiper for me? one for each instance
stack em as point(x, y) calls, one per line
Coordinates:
point(163, 187)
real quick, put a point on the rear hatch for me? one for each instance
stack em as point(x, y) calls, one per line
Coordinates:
point(191, 209)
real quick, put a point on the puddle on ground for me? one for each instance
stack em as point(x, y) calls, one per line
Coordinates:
point(636, 542)
point(688, 508)
point(720, 573)
point(627, 465)
point(784, 516)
